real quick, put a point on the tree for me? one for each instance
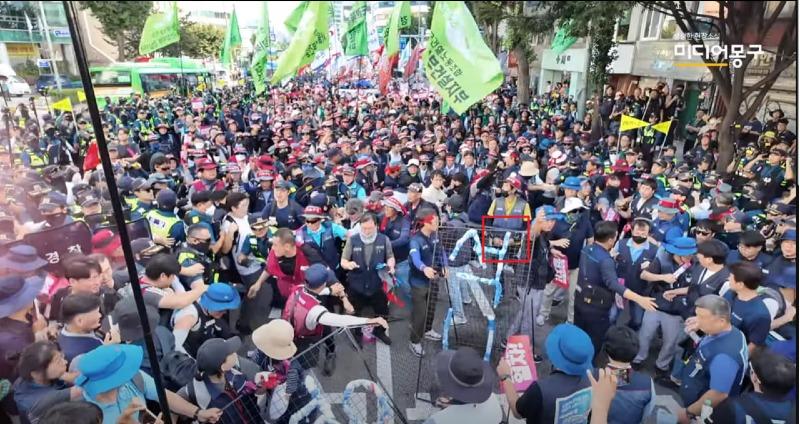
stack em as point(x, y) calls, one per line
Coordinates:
point(199, 41)
point(488, 17)
point(739, 23)
point(595, 22)
point(122, 23)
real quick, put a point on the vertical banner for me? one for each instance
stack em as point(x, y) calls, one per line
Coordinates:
point(519, 355)
point(561, 268)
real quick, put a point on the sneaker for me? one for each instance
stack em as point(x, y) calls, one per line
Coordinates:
point(433, 335)
point(384, 338)
point(538, 359)
point(539, 320)
point(416, 349)
point(329, 365)
point(458, 320)
point(467, 300)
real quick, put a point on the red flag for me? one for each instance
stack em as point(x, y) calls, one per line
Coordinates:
point(411, 65)
point(385, 71)
point(377, 54)
point(92, 158)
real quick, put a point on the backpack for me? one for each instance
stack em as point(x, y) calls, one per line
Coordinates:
point(177, 368)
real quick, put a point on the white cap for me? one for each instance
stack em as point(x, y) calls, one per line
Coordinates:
point(572, 203)
point(413, 162)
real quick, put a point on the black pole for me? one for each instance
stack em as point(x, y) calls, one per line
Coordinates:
point(116, 203)
point(7, 122)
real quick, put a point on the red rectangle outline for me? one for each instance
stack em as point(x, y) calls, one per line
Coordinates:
point(524, 260)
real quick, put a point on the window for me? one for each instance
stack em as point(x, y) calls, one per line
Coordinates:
point(651, 24)
point(118, 78)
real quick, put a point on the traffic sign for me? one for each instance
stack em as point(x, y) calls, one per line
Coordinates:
point(43, 63)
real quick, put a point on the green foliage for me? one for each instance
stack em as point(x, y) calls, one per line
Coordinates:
point(199, 41)
point(27, 70)
point(595, 19)
point(122, 23)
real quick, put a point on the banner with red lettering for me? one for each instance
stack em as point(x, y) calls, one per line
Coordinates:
point(561, 268)
point(519, 356)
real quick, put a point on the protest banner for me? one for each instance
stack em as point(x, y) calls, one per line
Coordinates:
point(519, 355)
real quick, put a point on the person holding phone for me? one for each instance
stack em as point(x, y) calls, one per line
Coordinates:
point(634, 400)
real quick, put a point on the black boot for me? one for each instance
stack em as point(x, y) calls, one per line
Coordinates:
point(329, 365)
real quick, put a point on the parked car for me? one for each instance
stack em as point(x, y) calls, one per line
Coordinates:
point(48, 82)
point(17, 86)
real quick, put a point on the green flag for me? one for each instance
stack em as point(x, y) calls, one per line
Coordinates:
point(311, 37)
point(356, 36)
point(293, 20)
point(232, 39)
point(457, 61)
point(562, 40)
point(400, 18)
point(258, 67)
point(160, 30)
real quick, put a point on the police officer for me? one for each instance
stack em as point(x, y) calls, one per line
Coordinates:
point(165, 226)
point(283, 211)
point(750, 249)
point(193, 256)
point(717, 367)
point(397, 227)
point(364, 255)
point(426, 261)
point(597, 284)
point(143, 190)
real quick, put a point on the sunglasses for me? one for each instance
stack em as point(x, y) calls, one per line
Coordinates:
point(312, 221)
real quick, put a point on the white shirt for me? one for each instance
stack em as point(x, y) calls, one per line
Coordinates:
point(486, 412)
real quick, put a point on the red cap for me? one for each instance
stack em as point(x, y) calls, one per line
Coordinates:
point(205, 163)
point(105, 242)
point(515, 182)
point(394, 204)
point(621, 166)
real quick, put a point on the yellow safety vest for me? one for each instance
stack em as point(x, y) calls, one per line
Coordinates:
point(160, 225)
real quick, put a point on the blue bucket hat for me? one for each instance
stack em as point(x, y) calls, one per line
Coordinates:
point(569, 349)
point(220, 297)
point(550, 213)
point(22, 258)
point(17, 293)
point(108, 367)
point(572, 183)
point(681, 246)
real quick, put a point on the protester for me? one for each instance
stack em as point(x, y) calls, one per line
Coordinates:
point(234, 200)
point(467, 382)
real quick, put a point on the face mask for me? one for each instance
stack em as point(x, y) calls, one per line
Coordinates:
point(639, 239)
point(55, 219)
point(210, 211)
point(240, 158)
point(202, 247)
point(368, 239)
point(298, 181)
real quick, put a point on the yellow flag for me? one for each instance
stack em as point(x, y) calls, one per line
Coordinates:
point(63, 105)
point(631, 123)
point(81, 96)
point(663, 126)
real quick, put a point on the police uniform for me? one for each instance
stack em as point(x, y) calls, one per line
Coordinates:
point(594, 297)
point(630, 270)
point(187, 257)
point(162, 224)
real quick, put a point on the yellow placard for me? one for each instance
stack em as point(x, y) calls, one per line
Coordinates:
point(663, 127)
point(63, 105)
point(81, 96)
point(631, 123)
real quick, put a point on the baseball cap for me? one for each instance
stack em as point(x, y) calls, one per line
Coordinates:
point(213, 352)
point(145, 246)
point(167, 199)
point(317, 275)
point(415, 188)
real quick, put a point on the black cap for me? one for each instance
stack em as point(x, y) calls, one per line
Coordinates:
point(213, 352)
point(201, 197)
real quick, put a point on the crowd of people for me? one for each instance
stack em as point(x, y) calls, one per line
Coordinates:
point(328, 207)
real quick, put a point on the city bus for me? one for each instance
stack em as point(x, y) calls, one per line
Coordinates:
point(156, 78)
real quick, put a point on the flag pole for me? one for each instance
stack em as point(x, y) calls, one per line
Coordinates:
point(116, 203)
